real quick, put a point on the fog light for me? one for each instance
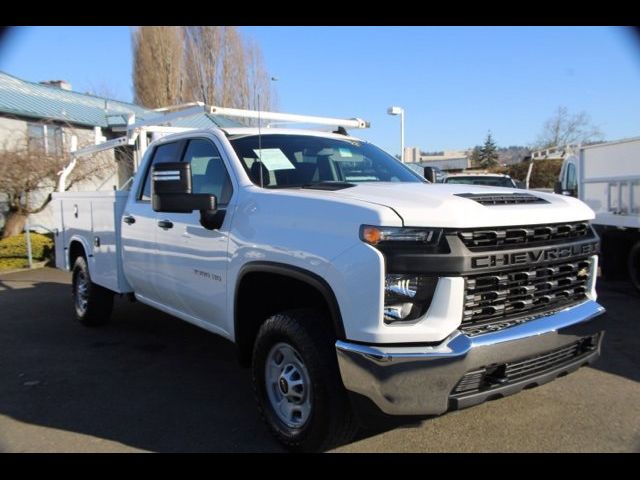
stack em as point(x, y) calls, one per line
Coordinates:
point(393, 313)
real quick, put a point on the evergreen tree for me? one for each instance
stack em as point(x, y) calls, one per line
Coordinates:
point(489, 153)
point(475, 156)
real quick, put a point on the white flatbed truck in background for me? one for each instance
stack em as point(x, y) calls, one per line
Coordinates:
point(351, 286)
point(606, 177)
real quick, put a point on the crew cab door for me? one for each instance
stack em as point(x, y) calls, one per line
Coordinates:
point(192, 260)
point(139, 226)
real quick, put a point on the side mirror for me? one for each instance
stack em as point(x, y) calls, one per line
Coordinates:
point(557, 187)
point(430, 174)
point(171, 192)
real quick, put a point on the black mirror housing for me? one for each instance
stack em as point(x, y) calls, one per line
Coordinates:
point(171, 177)
point(430, 174)
point(171, 190)
point(183, 202)
point(557, 187)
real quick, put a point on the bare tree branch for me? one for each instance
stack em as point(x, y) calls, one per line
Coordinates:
point(28, 175)
point(102, 89)
point(158, 59)
point(565, 129)
point(212, 64)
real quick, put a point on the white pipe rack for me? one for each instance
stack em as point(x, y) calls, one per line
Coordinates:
point(136, 132)
point(288, 117)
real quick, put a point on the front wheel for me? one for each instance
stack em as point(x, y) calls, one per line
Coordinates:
point(297, 383)
point(92, 303)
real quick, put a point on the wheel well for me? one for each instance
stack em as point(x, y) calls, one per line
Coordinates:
point(261, 294)
point(616, 245)
point(75, 250)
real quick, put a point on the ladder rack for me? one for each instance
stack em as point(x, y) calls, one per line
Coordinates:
point(135, 133)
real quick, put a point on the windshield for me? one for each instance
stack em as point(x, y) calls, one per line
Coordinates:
point(481, 180)
point(300, 160)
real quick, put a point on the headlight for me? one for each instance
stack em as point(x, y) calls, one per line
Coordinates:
point(407, 297)
point(400, 235)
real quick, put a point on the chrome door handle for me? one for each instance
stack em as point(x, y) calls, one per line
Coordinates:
point(165, 224)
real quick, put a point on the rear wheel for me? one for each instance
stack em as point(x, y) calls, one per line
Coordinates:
point(633, 266)
point(92, 303)
point(297, 383)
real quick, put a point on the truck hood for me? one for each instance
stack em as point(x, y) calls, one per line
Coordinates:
point(439, 205)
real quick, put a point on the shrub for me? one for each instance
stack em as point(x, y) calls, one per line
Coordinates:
point(543, 175)
point(13, 250)
point(13, 263)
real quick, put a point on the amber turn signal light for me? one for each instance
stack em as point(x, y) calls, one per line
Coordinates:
point(371, 235)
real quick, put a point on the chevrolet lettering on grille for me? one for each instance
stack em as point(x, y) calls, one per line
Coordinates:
point(532, 256)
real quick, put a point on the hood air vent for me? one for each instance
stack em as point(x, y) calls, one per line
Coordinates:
point(502, 198)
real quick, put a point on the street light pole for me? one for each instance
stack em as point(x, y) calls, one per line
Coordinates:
point(399, 111)
point(402, 136)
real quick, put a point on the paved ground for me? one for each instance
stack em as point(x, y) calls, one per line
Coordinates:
point(149, 382)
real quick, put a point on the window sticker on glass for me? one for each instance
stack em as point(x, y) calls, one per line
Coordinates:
point(274, 159)
point(345, 152)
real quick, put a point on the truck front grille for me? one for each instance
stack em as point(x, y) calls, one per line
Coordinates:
point(529, 235)
point(497, 300)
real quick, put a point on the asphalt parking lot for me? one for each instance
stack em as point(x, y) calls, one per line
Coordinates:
point(150, 382)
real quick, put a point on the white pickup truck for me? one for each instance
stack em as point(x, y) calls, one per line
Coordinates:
point(350, 285)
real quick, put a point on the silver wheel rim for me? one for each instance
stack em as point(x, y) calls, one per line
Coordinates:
point(288, 385)
point(82, 292)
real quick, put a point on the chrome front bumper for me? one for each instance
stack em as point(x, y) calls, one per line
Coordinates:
point(419, 380)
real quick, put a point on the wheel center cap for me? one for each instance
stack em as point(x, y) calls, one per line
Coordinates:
point(284, 386)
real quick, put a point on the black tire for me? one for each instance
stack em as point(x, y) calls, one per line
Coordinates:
point(633, 266)
point(331, 421)
point(92, 303)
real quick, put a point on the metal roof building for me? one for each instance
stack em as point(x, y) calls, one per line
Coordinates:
point(51, 118)
point(24, 99)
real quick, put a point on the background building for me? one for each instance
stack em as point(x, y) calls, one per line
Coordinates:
point(450, 160)
point(49, 117)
